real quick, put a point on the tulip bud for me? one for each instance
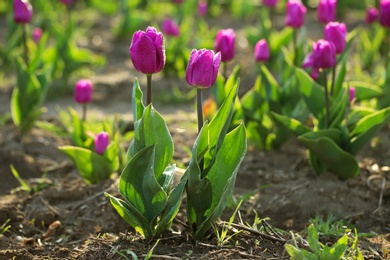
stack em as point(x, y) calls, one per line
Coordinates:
point(67, 2)
point(324, 54)
point(336, 33)
point(225, 43)
point(83, 91)
point(202, 68)
point(326, 11)
point(270, 3)
point(101, 141)
point(295, 14)
point(384, 13)
point(202, 8)
point(352, 92)
point(147, 51)
point(371, 15)
point(22, 11)
point(261, 51)
point(37, 34)
point(169, 27)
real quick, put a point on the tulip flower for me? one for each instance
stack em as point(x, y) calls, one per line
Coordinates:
point(308, 62)
point(22, 11)
point(371, 15)
point(37, 34)
point(352, 92)
point(336, 33)
point(270, 3)
point(324, 54)
point(83, 94)
point(295, 15)
point(326, 11)
point(384, 13)
point(101, 142)
point(169, 27)
point(202, 71)
point(225, 43)
point(147, 52)
point(202, 8)
point(262, 52)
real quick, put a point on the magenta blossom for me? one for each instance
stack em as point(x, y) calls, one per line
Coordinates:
point(371, 15)
point(23, 11)
point(170, 27)
point(37, 34)
point(202, 8)
point(83, 91)
point(326, 11)
point(225, 43)
point(147, 51)
point(295, 14)
point(101, 142)
point(270, 3)
point(324, 54)
point(352, 93)
point(202, 69)
point(308, 62)
point(384, 13)
point(262, 52)
point(336, 33)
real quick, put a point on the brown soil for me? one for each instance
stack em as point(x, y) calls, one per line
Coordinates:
point(68, 219)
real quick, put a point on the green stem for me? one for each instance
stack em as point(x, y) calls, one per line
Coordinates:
point(199, 108)
point(84, 115)
point(224, 70)
point(149, 91)
point(295, 42)
point(387, 53)
point(24, 40)
point(333, 80)
point(326, 99)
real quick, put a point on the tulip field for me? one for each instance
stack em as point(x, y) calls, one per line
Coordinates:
point(195, 129)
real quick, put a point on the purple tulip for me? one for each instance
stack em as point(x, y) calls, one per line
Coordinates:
point(336, 33)
point(371, 15)
point(324, 54)
point(22, 11)
point(352, 92)
point(83, 91)
point(170, 27)
point(384, 13)
point(270, 3)
point(202, 69)
point(262, 52)
point(225, 43)
point(308, 62)
point(37, 34)
point(67, 2)
point(147, 51)
point(295, 14)
point(326, 11)
point(202, 8)
point(101, 141)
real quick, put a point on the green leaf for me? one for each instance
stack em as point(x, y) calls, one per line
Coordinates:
point(92, 167)
point(313, 239)
point(137, 101)
point(366, 128)
point(312, 92)
point(328, 152)
point(296, 127)
point(294, 252)
point(138, 184)
point(338, 249)
point(365, 90)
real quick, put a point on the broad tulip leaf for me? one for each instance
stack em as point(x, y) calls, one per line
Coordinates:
point(366, 128)
point(365, 90)
point(296, 127)
point(327, 151)
point(138, 184)
point(151, 129)
point(312, 92)
point(137, 104)
point(338, 108)
point(313, 239)
point(92, 167)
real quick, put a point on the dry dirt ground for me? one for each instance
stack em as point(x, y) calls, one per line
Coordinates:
point(68, 219)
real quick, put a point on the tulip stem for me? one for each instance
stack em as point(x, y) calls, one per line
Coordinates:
point(333, 79)
point(84, 115)
point(224, 70)
point(295, 42)
point(199, 108)
point(326, 100)
point(24, 40)
point(149, 91)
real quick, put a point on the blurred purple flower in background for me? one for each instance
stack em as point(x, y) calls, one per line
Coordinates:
point(147, 51)
point(170, 27)
point(101, 141)
point(270, 3)
point(295, 14)
point(83, 91)
point(336, 33)
point(352, 93)
point(37, 34)
point(225, 43)
point(202, 8)
point(202, 69)
point(23, 11)
point(262, 52)
point(371, 15)
point(384, 13)
point(326, 11)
